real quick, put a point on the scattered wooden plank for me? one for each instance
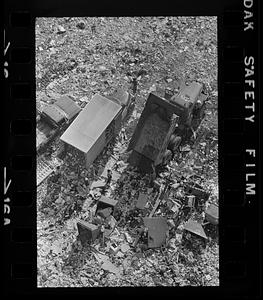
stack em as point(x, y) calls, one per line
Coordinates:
point(157, 202)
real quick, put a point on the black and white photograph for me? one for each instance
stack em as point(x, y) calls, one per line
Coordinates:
point(127, 151)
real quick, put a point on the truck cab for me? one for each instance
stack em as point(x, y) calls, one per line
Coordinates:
point(124, 99)
point(191, 99)
point(54, 118)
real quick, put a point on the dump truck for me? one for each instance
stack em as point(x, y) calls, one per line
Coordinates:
point(165, 123)
point(53, 119)
point(98, 123)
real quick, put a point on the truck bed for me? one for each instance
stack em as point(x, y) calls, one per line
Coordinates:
point(151, 136)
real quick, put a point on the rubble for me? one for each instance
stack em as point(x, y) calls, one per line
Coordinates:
point(81, 25)
point(125, 247)
point(114, 248)
point(61, 29)
point(165, 260)
point(128, 237)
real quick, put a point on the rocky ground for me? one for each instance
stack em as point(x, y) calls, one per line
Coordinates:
point(83, 56)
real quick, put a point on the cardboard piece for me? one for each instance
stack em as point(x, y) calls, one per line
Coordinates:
point(111, 221)
point(105, 202)
point(108, 266)
point(196, 228)
point(105, 213)
point(87, 232)
point(157, 229)
point(212, 214)
point(141, 201)
point(97, 184)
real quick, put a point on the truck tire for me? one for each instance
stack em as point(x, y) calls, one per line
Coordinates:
point(167, 157)
point(202, 111)
point(201, 114)
point(174, 142)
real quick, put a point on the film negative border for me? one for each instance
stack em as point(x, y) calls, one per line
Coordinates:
point(19, 175)
point(240, 240)
point(240, 181)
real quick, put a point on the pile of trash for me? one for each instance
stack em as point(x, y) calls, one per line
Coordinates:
point(144, 220)
point(125, 228)
point(123, 218)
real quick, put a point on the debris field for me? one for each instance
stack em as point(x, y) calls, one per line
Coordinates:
point(96, 229)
